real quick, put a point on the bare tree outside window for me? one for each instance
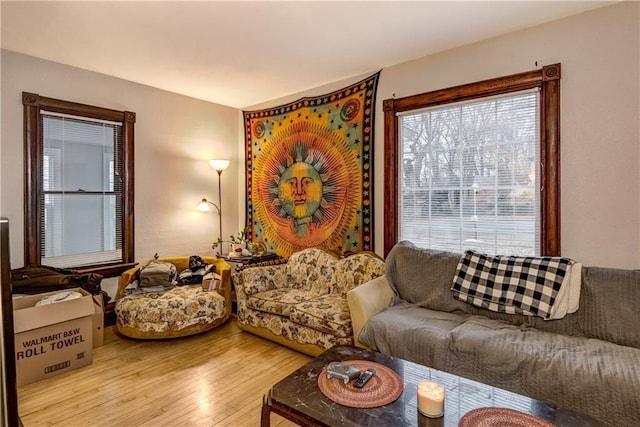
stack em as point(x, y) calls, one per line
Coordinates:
point(469, 169)
point(476, 166)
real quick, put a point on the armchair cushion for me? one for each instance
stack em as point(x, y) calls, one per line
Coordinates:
point(173, 310)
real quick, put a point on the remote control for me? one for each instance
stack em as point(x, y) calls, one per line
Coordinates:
point(366, 376)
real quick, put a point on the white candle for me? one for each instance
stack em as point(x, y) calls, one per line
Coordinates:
point(430, 399)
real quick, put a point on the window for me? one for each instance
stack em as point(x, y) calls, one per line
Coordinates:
point(476, 166)
point(78, 186)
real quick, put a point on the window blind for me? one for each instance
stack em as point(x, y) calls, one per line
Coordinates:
point(82, 194)
point(469, 177)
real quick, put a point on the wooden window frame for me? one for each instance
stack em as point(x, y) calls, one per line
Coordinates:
point(547, 80)
point(33, 104)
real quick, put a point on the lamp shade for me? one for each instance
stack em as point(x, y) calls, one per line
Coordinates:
point(219, 165)
point(204, 206)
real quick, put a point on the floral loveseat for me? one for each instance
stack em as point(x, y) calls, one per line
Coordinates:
point(302, 303)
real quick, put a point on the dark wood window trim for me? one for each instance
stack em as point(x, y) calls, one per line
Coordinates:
point(547, 80)
point(33, 104)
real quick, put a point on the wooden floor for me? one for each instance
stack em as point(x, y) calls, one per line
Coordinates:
point(213, 379)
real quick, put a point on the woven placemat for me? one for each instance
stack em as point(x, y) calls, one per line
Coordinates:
point(383, 388)
point(500, 417)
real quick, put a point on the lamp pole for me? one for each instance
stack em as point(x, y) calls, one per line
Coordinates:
point(219, 166)
point(220, 204)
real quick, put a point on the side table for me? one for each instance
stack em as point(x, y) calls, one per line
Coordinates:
point(248, 260)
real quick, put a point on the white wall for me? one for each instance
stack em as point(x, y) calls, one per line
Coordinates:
point(175, 136)
point(600, 114)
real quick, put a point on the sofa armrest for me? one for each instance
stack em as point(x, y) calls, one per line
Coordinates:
point(224, 270)
point(367, 300)
point(126, 277)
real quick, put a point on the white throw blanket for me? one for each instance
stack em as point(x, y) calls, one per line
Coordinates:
point(548, 287)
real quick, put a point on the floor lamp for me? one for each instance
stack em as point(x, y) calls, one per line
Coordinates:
point(219, 166)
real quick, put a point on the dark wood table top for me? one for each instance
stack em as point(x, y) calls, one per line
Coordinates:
point(253, 259)
point(299, 395)
point(238, 263)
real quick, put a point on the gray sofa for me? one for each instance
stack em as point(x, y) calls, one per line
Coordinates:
point(588, 361)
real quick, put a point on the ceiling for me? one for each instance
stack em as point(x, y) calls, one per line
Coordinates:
point(241, 53)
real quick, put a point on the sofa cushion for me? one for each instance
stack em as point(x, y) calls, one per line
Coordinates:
point(424, 276)
point(412, 333)
point(327, 313)
point(356, 270)
point(609, 305)
point(570, 372)
point(279, 301)
point(311, 270)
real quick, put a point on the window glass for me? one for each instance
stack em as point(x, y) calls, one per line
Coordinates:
point(476, 166)
point(78, 186)
point(469, 175)
point(80, 199)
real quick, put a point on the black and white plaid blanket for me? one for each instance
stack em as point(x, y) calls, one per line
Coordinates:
point(510, 284)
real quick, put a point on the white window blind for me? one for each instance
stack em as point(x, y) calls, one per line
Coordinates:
point(81, 205)
point(469, 176)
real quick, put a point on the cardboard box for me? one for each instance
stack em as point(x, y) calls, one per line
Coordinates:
point(210, 281)
point(53, 338)
point(98, 321)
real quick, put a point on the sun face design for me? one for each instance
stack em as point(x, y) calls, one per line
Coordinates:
point(300, 190)
point(306, 186)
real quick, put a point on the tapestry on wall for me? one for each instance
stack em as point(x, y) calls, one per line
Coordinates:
point(310, 172)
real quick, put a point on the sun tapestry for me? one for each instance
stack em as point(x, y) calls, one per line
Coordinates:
point(309, 172)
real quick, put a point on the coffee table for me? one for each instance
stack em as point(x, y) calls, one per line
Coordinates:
point(298, 398)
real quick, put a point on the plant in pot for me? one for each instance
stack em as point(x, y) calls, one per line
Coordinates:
point(238, 243)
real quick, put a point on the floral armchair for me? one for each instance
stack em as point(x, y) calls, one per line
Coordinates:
point(302, 303)
point(180, 311)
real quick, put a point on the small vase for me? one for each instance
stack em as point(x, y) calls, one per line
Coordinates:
point(237, 247)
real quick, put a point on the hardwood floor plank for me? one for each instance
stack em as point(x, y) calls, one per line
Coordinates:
point(213, 379)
